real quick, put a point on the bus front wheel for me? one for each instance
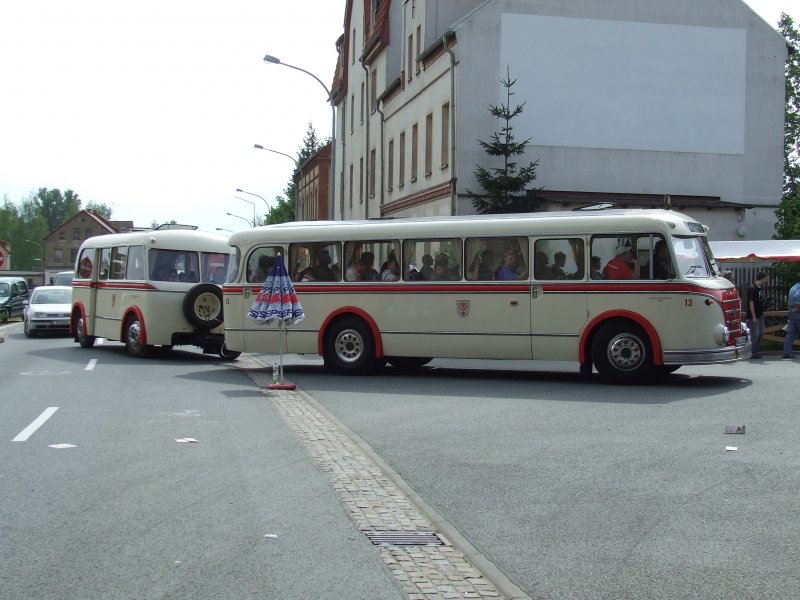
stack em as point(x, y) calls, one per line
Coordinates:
point(85, 341)
point(350, 347)
point(226, 354)
point(621, 353)
point(133, 338)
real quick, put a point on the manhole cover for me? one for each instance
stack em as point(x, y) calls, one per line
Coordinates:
point(404, 538)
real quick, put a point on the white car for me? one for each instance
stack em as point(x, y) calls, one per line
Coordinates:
point(48, 310)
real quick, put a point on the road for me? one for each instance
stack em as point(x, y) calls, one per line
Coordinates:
point(570, 489)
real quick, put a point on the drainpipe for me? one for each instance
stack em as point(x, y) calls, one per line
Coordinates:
point(344, 156)
point(453, 155)
point(383, 162)
point(366, 135)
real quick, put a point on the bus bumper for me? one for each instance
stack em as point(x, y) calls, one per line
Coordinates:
point(709, 357)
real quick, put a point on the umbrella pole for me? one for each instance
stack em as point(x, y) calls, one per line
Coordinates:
point(281, 385)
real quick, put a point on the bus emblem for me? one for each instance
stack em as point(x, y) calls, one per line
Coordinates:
point(462, 308)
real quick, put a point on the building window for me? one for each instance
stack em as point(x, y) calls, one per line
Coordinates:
point(352, 112)
point(88, 232)
point(372, 173)
point(373, 97)
point(410, 63)
point(361, 107)
point(419, 42)
point(401, 171)
point(428, 144)
point(58, 256)
point(353, 48)
point(61, 235)
point(350, 191)
point(76, 233)
point(445, 134)
point(390, 174)
point(73, 255)
point(361, 180)
point(414, 145)
point(343, 124)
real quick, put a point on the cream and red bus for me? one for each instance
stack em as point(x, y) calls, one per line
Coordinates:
point(151, 288)
point(631, 293)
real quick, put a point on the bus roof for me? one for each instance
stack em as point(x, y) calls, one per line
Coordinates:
point(543, 223)
point(173, 239)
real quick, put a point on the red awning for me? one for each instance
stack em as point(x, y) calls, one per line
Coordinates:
point(757, 250)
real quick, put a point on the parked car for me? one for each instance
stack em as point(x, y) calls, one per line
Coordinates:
point(13, 294)
point(48, 310)
point(3, 315)
point(63, 278)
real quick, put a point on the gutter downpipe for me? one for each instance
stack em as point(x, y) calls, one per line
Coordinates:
point(344, 153)
point(453, 162)
point(383, 162)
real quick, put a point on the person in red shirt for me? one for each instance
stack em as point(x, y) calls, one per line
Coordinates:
point(623, 266)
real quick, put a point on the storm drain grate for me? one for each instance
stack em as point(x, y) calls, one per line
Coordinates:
point(404, 538)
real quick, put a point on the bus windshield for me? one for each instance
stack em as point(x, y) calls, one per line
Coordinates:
point(693, 257)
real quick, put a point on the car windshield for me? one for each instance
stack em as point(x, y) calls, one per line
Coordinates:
point(691, 255)
point(52, 297)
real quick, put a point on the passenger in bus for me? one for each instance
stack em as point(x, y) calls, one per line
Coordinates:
point(597, 268)
point(482, 266)
point(173, 274)
point(427, 266)
point(510, 270)
point(218, 276)
point(662, 265)
point(557, 269)
point(441, 272)
point(265, 263)
point(392, 270)
point(360, 270)
point(322, 270)
point(624, 265)
point(370, 274)
point(162, 274)
point(540, 268)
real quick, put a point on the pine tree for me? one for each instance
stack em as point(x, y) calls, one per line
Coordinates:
point(505, 188)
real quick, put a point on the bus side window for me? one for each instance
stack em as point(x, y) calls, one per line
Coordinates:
point(105, 263)
point(368, 260)
point(260, 261)
point(432, 260)
point(135, 268)
point(559, 259)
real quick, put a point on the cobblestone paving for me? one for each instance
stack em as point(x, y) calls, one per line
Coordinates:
point(374, 502)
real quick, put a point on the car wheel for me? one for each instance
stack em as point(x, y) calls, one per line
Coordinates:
point(226, 354)
point(350, 347)
point(408, 362)
point(133, 338)
point(621, 352)
point(28, 331)
point(85, 341)
point(202, 306)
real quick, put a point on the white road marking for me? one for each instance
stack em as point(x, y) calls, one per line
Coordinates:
point(62, 446)
point(40, 420)
point(90, 366)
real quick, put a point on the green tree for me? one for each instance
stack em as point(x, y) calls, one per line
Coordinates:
point(100, 207)
point(787, 225)
point(24, 228)
point(284, 209)
point(505, 188)
point(56, 207)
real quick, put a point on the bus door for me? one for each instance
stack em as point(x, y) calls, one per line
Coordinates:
point(558, 298)
point(84, 286)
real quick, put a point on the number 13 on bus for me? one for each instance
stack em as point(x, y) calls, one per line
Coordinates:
point(630, 293)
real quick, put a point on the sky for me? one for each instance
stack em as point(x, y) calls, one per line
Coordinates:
point(153, 107)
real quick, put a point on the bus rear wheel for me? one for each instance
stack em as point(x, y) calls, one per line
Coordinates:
point(621, 352)
point(350, 347)
point(85, 341)
point(408, 362)
point(133, 338)
point(226, 354)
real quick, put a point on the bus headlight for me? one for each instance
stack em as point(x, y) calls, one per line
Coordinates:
point(721, 334)
point(726, 335)
point(746, 331)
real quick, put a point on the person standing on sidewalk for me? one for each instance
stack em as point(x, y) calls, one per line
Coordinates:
point(755, 311)
point(793, 328)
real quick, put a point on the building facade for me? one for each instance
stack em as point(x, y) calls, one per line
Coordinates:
point(624, 103)
point(62, 244)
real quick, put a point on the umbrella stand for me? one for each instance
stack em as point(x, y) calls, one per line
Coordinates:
point(281, 385)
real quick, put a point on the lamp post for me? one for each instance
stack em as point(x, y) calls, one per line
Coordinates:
point(241, 191)
point(41, 249)
point(299, 169)
point(253, 204)
point(238, 217)
point(332, 180)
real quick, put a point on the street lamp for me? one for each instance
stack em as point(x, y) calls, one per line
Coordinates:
point(240, 190)
point(253, 204)
point(41, 249)
point(299, 169)
point(238, 217)
point(276, 61)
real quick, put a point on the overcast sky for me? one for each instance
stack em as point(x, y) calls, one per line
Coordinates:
point(153, 107)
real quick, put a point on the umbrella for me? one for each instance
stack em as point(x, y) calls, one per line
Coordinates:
point(277, 301)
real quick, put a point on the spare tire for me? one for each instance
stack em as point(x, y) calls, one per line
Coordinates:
point(202, 306)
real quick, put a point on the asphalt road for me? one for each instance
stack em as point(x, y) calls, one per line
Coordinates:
point(585, 490)
point(127, 512)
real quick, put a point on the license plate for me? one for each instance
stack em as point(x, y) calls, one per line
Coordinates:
point(741, 341)
point(66, 322)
